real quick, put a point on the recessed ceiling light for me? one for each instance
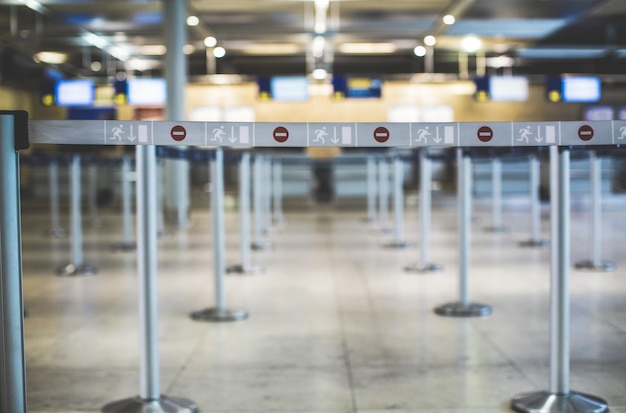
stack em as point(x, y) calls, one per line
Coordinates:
point(193, 21)
point(420, 51)
point(430, 40)
point(210, 41)
point(53, 58)
point(367, 48)
point(219, 52)
point(471, 44)
point(320, 74)
point(449, 19)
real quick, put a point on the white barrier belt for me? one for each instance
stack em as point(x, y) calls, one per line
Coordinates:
point(261, 134)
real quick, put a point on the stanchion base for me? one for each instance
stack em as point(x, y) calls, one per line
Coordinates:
point(545, 402)
point(124, 247)
point(588, 265)
point(240, 270)
point(215, 315)
point(497, 229)
point(70, 270)
point(263, 246)
point(534, 243)
point(163, 405)
point(423, 268)
point(397, 245)
point(464, 310)
point(57, 233)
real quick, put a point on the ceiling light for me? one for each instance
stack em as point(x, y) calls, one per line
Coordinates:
point(449, 19)
point(193, 21)
point(471, 44)
point(118, 52)
point(152, 50)
point(367, 48)
point(319, 44)
point(272, 49)
point(320, 74)
point(95, 40)
point(53, 58)
point(188, 49)
point(430, 40)
point(420, 51)
point(95, 66)
point(322, 3)
point(500, 61)
point(219, 52)
point(210, 41)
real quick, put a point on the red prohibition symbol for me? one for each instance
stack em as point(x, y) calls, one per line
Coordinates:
point(485, 133)
point(585, 133)
point(178, 133)
point(281, 134)
point(381, 134)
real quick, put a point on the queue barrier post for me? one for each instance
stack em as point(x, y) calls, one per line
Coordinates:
point(596, 263)
point(535, 240)
point(398, 204)
point(76, 266)
point(219, 312)
point(496, 196)
point(425, 200)
point(277, 187)
point(383, 194)
point(92, 195)
point(372, 189)
point(127, 244)
point(244, 218)
point(464, 307)
point(55, 227)
point(150, 398)
point(12, 360)
point(258, 244)
point(559, 398)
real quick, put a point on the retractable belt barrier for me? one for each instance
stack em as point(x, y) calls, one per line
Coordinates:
point(14, 135)
point(255, 134)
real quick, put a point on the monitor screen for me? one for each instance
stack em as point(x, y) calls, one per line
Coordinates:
point(508, 88)
point(79, 92)
point(599, 112)
point(146, 92)
point(581, 89)
point(289, 88)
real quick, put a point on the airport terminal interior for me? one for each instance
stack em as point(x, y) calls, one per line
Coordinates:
point(417, 278)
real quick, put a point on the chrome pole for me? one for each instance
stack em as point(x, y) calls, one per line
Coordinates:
point(464, 308)
point(12, 370)
point(496, 196)
point(244, 217)
point(257, 189)
point(383, 193)
point(267, 194)
point(559, 398)
point(92, 171)
point(77, 265)
point(535, 206)
point(150, 398)
point(127, 243)
point(371, 189)
point(277, 175)
point(425, 195)
point(596, 263)
point(398, 204)
point(55, 228)
point(219, 312)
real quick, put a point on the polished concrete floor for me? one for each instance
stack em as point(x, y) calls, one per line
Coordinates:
point(335, 325)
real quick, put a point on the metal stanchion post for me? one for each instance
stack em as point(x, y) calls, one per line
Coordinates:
point(398, 205)
point(425, 208)
point(219, 312)
point(12, 366)
point(383, 193)
point(127, 218)
point(92, 173)
point(150, 398)
point(559, 398)
point(55, 227)
point(371, 189)
point(267, 195)
point(277, 186)
point(464, 308)
point(76, 265)
point(535, 206)
point(161, 232)
point(496, 197)
point(596, 263)
point(244, 216)
point(258, 243)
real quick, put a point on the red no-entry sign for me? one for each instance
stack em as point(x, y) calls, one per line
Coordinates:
point(281, 134)
point(178, 133)
point(485, 133)
point(381, 134)
point(585, 133)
